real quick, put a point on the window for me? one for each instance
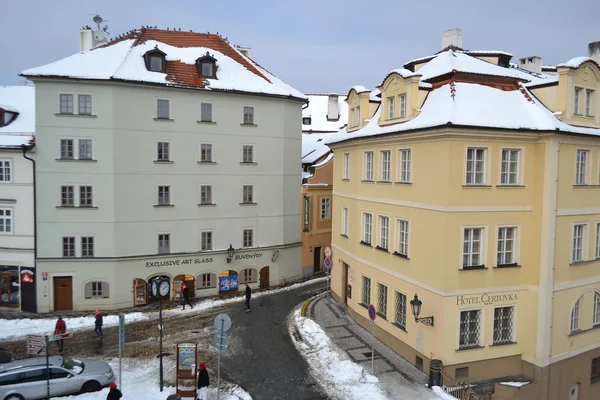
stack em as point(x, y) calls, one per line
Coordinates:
point(353, 117)
point(382, 297)
point(391, 107)
point(325, 208)
point(206, 112)
point(66, 104)
point(5, 171)
point(162, 109)
point(248, 115)
point(85, 149)
point(368, 165)
point(206, 152)
point(503, 325)
point(156, 63)
point(248, 275)
point(345, 221)
point(462, 373)
point(595, 370)
point(162, 151)
point(506, 246)
point(596, 319)
point(6, 222)
point(358, 119)
point(581, 167)
point(598, 240)
point(470, 327)
point(206, 241)
point(405, 160)
point(68, 246)
point(578, 237)
point(307, 120)
point(576, 100)
point(575, 316)
point(400, 317)
point(475, 166)
point(207, 69)
point(248, 194)
point(206, 194)
point(385, 166)
point(248, 153)
point(403, 227)
point(96, 290)
point(67, 196)
point(368, 226)
point(509, 174)
point(85, 104)
point(87, 246)
point(164, 243)
point(384, 232)
point(208, 281)
point(346, 173)
point(402, 105)
point(472, 247)
point(248, 238)
point(588, 102)
point(66, 148)
point(164, 195)
point(85, 196)
point(366, 291)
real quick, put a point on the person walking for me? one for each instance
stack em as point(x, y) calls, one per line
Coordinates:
point(114, 393)
point(248, 296)
point(186, 295)
point(60, 329)
point(98, 328)
point(203, 382)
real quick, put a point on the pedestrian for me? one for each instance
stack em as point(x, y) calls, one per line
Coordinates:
point(248, 296)
point(203, 381)
point(186, 295)
point(114, 393)
point(98, 328)
point(60, 329)
point(180, 298)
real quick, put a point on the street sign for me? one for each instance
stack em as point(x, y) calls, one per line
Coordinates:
point(221, 341)
point(327, 262)
point(222, 321)
point(54, 338)
point(36, 345)
point(327, 251)
point(372, 312)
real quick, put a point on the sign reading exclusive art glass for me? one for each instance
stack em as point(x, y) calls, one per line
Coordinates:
point(306, 212)
point(173, 263)
point(485, 299)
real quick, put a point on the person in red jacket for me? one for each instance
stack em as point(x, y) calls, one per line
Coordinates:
point(60, 329)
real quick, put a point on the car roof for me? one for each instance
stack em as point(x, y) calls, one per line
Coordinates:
point(30, 362)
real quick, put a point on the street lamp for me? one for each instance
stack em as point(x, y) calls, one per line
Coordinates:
point(415, 304)
point(230, 253)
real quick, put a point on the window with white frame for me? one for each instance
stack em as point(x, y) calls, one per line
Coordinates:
point(87, 246)
point(367, 227)
point(470, 329)
point(366, 291)
point(472, 243)
point(402, 105)
point(325, 208)
point(353, 117)
point(509, 169)
point(6, 220)
point(588, 102)
point(597, 241)
point(384, 232)
point(206, 112)
point(576, 100)
point(208, 280)
point(206, 194)
point(503, 325)
point(596, 319)
point(386, 161)
point(575, 316)
point(85, 149)
point(66, 104)
point(358, 116)
point(368, 165)
point(164, 243)
point(66, 148)
point(391, 107)
point(67, 196)
point(162, 109)
point(346, 171)
point(382, 297)
point(578, 242)
point(345, 221)
point(248, 115)
point(96, 290)
point(506, 245)
point(5, 171)
point(400, 316)
point(581, 175)
point(206, 152)
point(248, 194)
point(85, 104)
point(68, 246)
point(162, 151)
point(86, 197)
point(403, 230)
point(206, 241)
point(248, 237)
point(164, 195)
point(405, 165)
point(248, 275)
point(475, 166)
point(248, 153)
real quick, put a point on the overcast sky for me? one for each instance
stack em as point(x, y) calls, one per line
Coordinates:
point(317, 46)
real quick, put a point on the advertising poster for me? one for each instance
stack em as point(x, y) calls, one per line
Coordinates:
point(228, 282)
point(187, 357)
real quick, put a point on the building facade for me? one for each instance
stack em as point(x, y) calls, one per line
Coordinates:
point(476, 188)
point(174, 158)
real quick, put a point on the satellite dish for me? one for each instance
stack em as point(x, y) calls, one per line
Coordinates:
point(98, 19)
point(99, 36)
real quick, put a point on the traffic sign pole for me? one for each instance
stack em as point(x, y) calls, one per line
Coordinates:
point(372, 316)
point(47, 368)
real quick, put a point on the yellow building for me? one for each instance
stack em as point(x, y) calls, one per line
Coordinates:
point(476, 187)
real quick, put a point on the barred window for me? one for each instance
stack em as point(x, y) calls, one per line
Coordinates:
point(248, 275)
point(382, 296)
point(470, 329)
point(400, 318)
point(366, 291)
point(503, 325)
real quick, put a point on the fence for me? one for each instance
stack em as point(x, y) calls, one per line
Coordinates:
point(460, 390)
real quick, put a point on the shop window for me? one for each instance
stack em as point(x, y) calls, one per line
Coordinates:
point(248, 275)
point(97, 290)
point(208, 280)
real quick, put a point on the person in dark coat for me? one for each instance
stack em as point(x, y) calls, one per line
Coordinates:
point(203, 381)
point(186, 295)
point(98, 328)
point(60, 329)
point(114, 393)
point(248, 296)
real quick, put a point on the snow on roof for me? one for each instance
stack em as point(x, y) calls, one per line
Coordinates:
point(471, 52)
point(325, 161)
point(359, 88)
point(123, 60)
point(534, 78)
point(19, 99)
point(515, 384)
point(576, 62)
point(375, 95)
point(317, 111)
point(313, 146)
point(549, 67)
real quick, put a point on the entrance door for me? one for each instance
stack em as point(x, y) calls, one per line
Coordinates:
point(63, 293)
point(264, 277)
point(317, 260)
point(574, 394)
point(345, 283)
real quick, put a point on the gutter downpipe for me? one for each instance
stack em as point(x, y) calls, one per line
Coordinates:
point(25, 148)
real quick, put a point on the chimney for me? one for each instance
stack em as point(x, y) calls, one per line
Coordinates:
point(594, 51)
point(531, 64)
point(86, 39)
point(452, 37)
point(333, 107)
point(245, 51)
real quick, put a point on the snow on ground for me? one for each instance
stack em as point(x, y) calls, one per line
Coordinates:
point(443, 395)
point(515, 384)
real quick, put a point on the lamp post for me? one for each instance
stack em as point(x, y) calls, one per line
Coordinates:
point(416, 304)
point(230, 253)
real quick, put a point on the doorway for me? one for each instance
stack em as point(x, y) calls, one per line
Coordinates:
point(264, 277)
point(346, 267)
point(63, 293)
point(9, 288)
point(28, 289)
point(317, 260)
point(190, 282)
point(574, 393)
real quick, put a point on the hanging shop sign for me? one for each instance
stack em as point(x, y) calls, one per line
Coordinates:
point(306, 212)
point(26, 276)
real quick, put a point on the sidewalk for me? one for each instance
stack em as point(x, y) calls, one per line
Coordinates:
point(397, 376)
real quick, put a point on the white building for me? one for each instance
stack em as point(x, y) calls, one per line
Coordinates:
point(325, 113)
point(17, 126)
point(156, 153)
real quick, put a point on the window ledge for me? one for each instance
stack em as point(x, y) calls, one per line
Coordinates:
point(399, 326)
point(76, 115)
point(248, 204)
point(76, 159)
point(384, 182)
point(477, 186)
point(503, 266)
point(164, 119)
point(207, 205)
point(472, 267)
point(382, 249)
point(346, 236)
point(253, 125)
point(164, 162)
point(586, 186)
point(164, 205)
point(248, 163)
point(363, 305)
point(77, 207)
point(510, 186)
point(209, 287)
point(382, 316)
point(404, 183)
point(206, 122)
point(365, 243)
point(368, 180)
point(583, 262)
point(501, 344)
point(346, 179)
point(478, 347)
point(206, 162)
point(580, 331)
point(401, 255)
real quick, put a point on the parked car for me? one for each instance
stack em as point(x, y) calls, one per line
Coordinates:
point(26, 379)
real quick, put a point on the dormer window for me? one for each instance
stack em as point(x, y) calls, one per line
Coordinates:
point(6, 117)
point(156, 63)
point(207, 66)
point(155, 60)
point(306, 120)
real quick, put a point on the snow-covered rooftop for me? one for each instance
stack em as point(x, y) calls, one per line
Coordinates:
point(314, 147)
point(576, 62)
point(375, 95)
point(359, 88)
point(21, 100)
point(317, 111)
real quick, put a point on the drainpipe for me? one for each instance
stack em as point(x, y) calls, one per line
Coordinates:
point(25, 148)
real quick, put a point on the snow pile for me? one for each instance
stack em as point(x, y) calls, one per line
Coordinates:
point(441, 394)
point(340, 377)
point(515, 384)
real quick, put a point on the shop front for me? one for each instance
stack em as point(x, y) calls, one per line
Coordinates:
point(9, 286)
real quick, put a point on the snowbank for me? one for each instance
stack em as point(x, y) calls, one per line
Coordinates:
point(443, 395)
point(515, 384)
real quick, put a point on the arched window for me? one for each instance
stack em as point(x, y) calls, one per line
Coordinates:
point(97, 290)
point(248, 275)
point(206, 281)
point(596, 308)
point(575, 316)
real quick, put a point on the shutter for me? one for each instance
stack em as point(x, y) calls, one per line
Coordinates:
point(105, 290)
point(88, 290)
point(254, 275)
point(213, 280)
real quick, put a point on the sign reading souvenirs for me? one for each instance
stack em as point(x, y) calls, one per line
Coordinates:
point(306, 212)
point(485, 299)
point(248, 256)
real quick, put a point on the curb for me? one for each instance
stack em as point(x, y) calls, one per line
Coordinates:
point(305, 305)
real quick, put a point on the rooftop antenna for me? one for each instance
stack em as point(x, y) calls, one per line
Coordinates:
point(100, 33)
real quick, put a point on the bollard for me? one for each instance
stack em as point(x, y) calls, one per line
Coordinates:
point(435, 373)
point(174, 396)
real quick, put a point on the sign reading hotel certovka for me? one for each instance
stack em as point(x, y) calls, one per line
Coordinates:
point(485, 299)
point(306, 212)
